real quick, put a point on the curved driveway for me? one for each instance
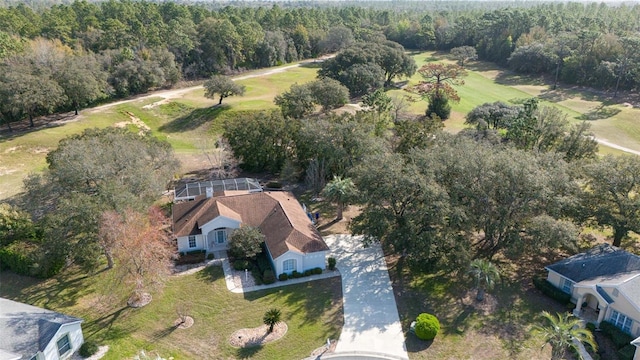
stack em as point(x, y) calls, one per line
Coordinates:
point(371, 321)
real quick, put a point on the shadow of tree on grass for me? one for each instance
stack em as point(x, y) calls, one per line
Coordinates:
point(599, 113)
point(248, 352)
point(194, 119)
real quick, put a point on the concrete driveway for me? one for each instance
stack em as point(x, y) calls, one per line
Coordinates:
point(371, 322)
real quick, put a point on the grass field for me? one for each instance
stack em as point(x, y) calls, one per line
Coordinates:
point(189, 123)
point(312, 312)
point(498, 328)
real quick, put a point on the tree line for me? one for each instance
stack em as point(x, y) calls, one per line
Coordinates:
point(128, 47)
point(519, 179)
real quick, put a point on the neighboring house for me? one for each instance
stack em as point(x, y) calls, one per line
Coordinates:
point(291, 240)
point(32, 333)
point(604, 283)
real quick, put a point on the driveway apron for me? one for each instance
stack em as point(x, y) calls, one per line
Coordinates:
point(371, 321)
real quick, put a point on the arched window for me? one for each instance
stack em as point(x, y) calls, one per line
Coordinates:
point(289, 265)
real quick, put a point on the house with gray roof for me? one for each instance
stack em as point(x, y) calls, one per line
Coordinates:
point(32, 333)
point(604, 283)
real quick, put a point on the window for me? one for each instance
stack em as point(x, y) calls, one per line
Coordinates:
point(192, 241)
point(289, 265)
point(567, 285)
point(221, 236)
point(64, 345)
point(621, 321)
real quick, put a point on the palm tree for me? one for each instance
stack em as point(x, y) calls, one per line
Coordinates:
point(271, 318)
point(562, 332)
point(486, 274)
point(340, 191)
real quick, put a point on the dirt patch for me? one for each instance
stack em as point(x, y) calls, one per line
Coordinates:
point(257, 336)
point(329, 225)
point(484, 307)
point(12, 149)
point(134, 120)
point(6, 171)
point(140, 300)
point(183, 323)
point(325, 349)
point(40, 150)
point(157, 103)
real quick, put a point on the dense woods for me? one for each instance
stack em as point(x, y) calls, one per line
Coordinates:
point(68, 56)
point(119, 48)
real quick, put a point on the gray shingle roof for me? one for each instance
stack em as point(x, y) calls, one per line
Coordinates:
point(26, 329)
point(601, 261)
point(631, 288)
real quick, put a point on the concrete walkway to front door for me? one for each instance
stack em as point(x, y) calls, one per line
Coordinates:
point(371, 321)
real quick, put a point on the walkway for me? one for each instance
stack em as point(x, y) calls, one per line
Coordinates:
point(238, 288)
point(371, 321)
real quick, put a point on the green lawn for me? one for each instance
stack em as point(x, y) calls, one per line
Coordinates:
point(498, 328)
point(312, 311)
point(189, 124)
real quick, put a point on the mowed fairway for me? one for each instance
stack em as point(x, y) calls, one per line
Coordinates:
point(191, 123)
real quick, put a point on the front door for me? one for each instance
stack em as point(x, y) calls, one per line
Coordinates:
point(217, 239)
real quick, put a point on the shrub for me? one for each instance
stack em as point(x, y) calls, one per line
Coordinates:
point(317, 271)
point(274, 185)
point(240, 265)
point(268, 277)
point(307, 272)
point(210, 256)
point(257, 275)
point(296, 275)
point(551, 291)
point(18, 257)
point(246, 242)
point(620, 338)
point(263, 262)
point(591, 327)
point(332, 263)
point(283, 277)
point(191, 257)
point(427, 326)
point(627, 352)
point(88, 348)
point(196, 252)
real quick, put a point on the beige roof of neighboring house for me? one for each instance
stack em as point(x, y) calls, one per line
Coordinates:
point(278, 215)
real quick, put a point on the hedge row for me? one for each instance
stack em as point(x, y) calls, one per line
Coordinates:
point(191, 257)
point(620, 338)
point(550, 290)
point(296, 275)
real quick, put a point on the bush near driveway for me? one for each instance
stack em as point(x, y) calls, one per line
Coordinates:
point(427, 326)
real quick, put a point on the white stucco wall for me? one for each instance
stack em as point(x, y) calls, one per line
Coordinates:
point(622, 305)
point(303, 262)
point(287, 256)
point(220, 222)
point(554, 278)
point(636, 356)
point(75, 337)
point(314, 260)
point(183, 243)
